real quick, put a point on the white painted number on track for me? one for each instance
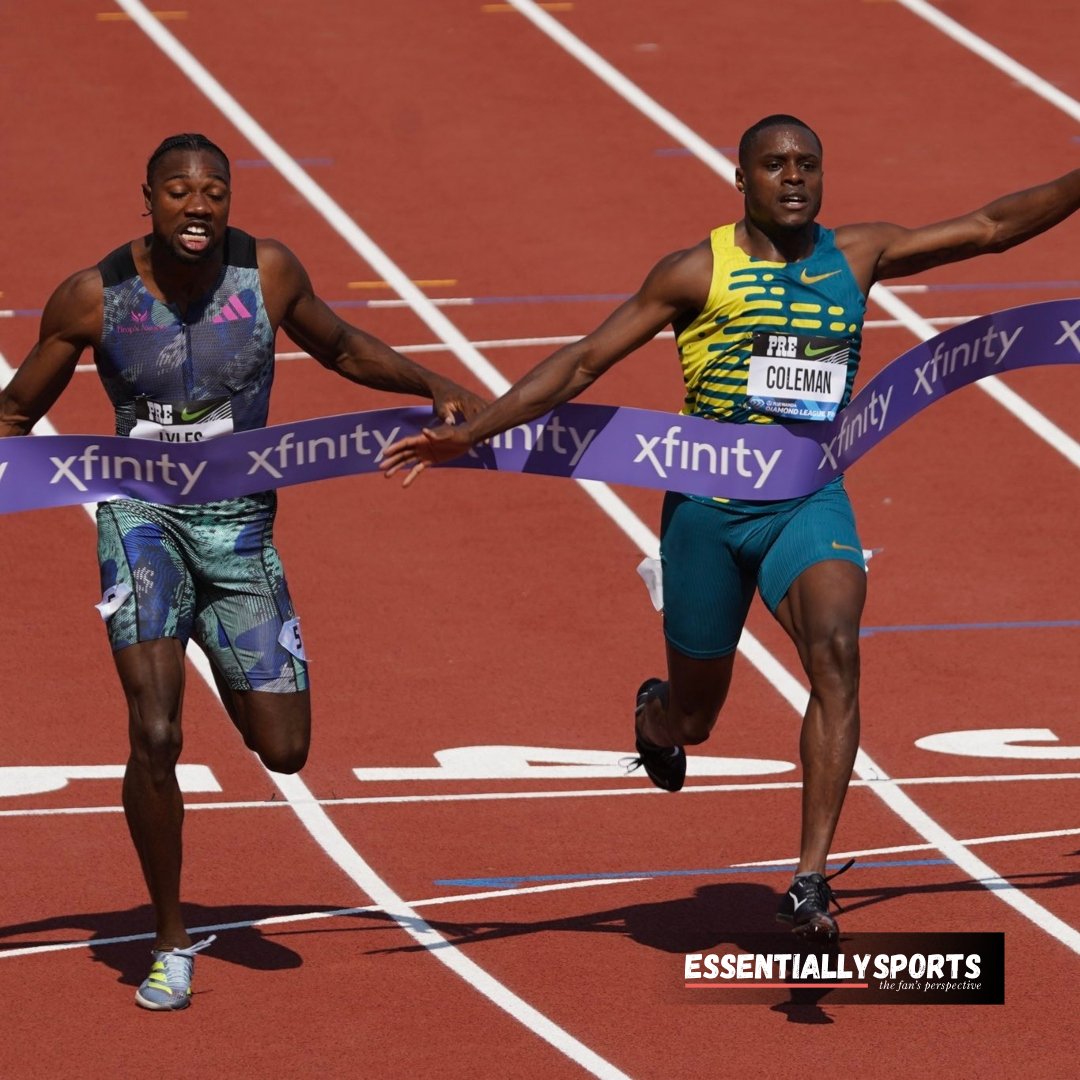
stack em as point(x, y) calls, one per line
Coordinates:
point(549, 763)
point(37, 779)
point(1000, 743)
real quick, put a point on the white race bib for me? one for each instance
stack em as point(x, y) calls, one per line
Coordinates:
point(182, 421)
point(797, 377)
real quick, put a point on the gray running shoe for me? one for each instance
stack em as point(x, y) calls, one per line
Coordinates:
point(168, 986)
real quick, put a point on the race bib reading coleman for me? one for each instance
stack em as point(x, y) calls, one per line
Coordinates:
point(182, 422)
point(796, 377)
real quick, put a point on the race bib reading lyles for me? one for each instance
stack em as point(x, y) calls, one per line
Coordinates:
point(182, 421)
point(797, 377)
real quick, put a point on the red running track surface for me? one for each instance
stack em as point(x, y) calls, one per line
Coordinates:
point(493, 610)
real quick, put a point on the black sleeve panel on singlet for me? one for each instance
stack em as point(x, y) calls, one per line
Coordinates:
point(240, 248)
point(117, 266)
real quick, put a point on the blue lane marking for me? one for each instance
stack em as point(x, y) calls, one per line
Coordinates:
point(262, 163)
point(682, 151)
point(786, 868)
point(1039, 624)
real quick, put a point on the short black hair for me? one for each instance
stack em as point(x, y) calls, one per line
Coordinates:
point(776, 120)
point(186, 141)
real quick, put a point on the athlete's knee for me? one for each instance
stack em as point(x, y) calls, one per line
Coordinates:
point(156, 742)
point(696, 728)
point(832, 658)
point(285, 750)
point(697, 691)
point(287, 758)
point(693, 721)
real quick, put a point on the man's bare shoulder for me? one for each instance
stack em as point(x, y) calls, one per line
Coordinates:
point(689, 260)
point(83, 288)
point(866, 234)
point(275, 258)
point(683, 277)
point(284, 279)
point(270, 249)
point(76, 308)
point(862, 245)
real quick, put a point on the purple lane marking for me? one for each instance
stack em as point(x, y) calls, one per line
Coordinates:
point(786, 868)
point(1034, 624)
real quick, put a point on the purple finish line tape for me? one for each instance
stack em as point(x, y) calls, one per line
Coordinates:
point(594, 442)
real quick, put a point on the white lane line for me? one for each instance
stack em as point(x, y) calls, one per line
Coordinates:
point(566, 339)
point(502, 894)
point(901, 849)
point(314, 916)
point(511, 796)
point(993, 55)
point(725, 169)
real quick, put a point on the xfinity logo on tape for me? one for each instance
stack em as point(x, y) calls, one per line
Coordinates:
point(288, 451)
point(690, 456)
point(944, 362)
point(1069, 334)
point(871, 417)
point(91, 466)
point(547, 435)
point(595, 442)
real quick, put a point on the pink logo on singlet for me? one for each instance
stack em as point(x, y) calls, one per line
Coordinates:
point(140, 321)
point(232, 310)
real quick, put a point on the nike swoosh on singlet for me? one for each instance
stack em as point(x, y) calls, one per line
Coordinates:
point(198, 414)
point(810, 352)
point(813, 279)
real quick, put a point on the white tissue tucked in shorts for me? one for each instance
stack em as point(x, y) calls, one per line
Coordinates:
point(290, 639)
point(112, 599)
point(649, 569)
point(651, 574)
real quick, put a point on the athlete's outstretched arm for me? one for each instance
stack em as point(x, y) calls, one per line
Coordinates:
point(72, 320)
point(882, 251)
point(344, 348)
point(678, 284)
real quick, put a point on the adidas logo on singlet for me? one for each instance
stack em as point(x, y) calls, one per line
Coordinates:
point(232, 310)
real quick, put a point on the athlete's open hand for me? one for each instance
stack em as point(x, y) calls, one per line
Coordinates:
point(431, 447)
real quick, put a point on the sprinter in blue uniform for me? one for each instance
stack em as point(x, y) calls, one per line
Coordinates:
point(182, 324)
